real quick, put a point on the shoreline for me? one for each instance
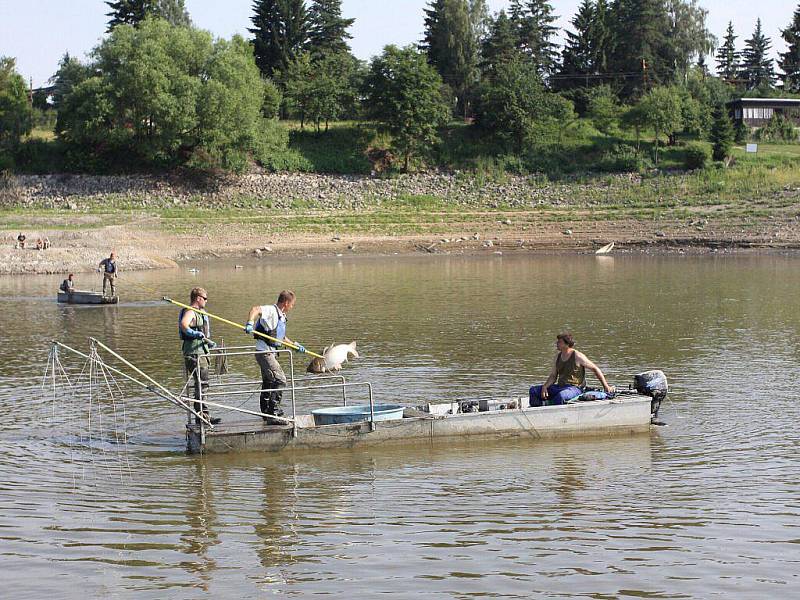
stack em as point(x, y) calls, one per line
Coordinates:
point(141, 249)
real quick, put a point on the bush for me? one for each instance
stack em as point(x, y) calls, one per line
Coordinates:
point(777, 129)
point(623, 158)
point(697, 155)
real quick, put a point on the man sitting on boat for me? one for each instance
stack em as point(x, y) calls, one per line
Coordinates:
point(195, 333)
point(568, 376)
point(68, 285)
point(270, 320)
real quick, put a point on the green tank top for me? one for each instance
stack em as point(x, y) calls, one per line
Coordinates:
point(569, 373)
point(194, 345)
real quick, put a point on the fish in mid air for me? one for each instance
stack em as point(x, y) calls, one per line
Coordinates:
point(334, 356)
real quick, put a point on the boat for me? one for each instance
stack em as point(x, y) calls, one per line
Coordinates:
point(86, 297)
point(347, 424)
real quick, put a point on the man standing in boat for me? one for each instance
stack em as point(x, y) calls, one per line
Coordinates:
point(568, 376)
point(270, 320)
point(109, 269)
point(195, 334)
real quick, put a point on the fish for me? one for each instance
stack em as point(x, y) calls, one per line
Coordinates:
point(334, 356)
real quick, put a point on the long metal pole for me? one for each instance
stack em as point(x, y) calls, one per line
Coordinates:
point(238, 326)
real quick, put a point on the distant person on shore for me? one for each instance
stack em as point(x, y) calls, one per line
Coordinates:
point(270, 320)
point(568, 376)
point(46, 242)
point(68, 285)
point(21, 241)
point(109, 270)
point(195, 333)
point(39, 244)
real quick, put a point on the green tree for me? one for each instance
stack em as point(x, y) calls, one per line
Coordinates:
point(757, 68)
point(661, 108)
point(133, 12)
point(728, 56)
point(167, 95)
point(635, 118)
point(534, 20)
point(688, 37)
point(174, 12)
point(722, 134)
point(500, 44)
point(789, 61)
point(578, 56)
point(405, 96)
point(604, 110)
point(452, 47)
point(15, 114)
point(298, 86)
point(327, 28)
point(640, 45)
point(280, 33)
point(516, 109)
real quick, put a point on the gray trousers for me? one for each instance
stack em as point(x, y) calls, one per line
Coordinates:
point(272, 378)
point(109, 278)
point(196, 365)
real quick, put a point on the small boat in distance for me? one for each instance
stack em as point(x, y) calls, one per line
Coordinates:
point(86, 297)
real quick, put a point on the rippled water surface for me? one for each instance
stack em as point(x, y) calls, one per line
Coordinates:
point(706, 507)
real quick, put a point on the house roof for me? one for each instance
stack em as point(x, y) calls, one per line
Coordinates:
point(767, 101)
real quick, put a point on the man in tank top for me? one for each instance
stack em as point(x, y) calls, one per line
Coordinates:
point(568, 376)
point(195, 333)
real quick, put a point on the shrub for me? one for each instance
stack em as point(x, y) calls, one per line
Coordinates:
point(697, 155)
point(624, 159)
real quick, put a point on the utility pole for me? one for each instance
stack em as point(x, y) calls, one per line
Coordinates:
point(644, 74)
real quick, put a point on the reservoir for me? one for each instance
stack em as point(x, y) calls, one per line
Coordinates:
point(707, 506)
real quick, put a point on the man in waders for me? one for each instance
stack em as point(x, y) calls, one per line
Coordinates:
point(568, 376)
point(109, 270)
point(270, 320)
point(195, 333)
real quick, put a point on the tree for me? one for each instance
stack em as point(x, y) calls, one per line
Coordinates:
point(604, 110)
point(15, 115)
point(688, 37)
point(789, 61)
point(640, 33)
point(722, 134)
point(133, 12)
point(280, 30)
point(578, 56)
point(757, 69)
point(405, 96)
point(516, 109)
point(452, 47)
point(500, 44)
point(661, 108)
point(297, 83)
point(168, 95)
point(534, 22)
point(728, 56)
point(327, 28)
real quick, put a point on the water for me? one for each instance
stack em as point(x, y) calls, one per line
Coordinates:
point(706, 507)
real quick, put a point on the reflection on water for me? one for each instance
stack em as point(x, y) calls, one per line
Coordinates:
point(708, 505)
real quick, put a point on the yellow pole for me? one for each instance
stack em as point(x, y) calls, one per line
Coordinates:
point(258, 333)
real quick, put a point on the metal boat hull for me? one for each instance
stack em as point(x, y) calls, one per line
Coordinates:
point(85, 297)
point(623, 415)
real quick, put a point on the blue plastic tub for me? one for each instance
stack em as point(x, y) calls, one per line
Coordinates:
point(356, 413)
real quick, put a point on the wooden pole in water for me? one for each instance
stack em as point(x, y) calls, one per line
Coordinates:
point(258, 333)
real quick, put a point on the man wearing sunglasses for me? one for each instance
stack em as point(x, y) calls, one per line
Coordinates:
point(195, 333)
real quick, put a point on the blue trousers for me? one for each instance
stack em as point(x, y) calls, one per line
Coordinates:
point(557, 394)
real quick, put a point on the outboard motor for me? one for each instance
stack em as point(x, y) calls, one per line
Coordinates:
point(653, 384)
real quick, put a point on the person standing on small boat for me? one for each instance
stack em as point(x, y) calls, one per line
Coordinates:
point(109, 269)
point(195, 333)
point(568, 376)
point(270, 320)
point(68, 285)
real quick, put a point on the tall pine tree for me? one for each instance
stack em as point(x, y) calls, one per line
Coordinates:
point(578, 57)
point(129, 12)
point(728, 56)
point(641, 56)
point(451, 44)
point(789, 61)
point(535, 21)
point(327, 28)
point(500, 44)
point(757, 68)
point(280, 33)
